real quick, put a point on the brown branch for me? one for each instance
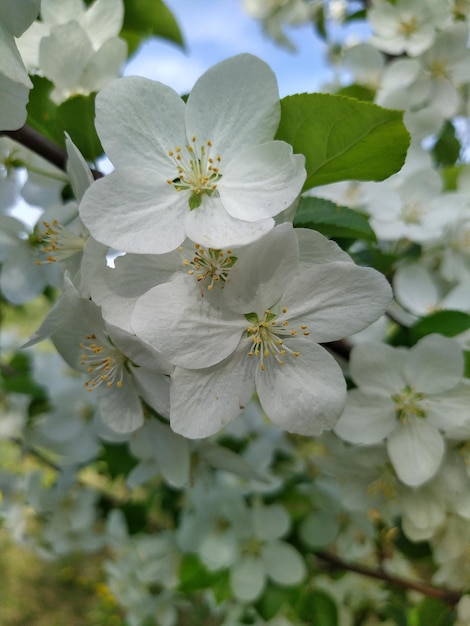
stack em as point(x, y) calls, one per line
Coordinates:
point(43, 146)
point(448, 596)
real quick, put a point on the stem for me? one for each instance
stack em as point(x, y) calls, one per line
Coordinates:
point(43, 146)
point(448, 596)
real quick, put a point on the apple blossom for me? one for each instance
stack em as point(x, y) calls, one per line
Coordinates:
point(207, 169)
point(262, 332)
point(408, 398)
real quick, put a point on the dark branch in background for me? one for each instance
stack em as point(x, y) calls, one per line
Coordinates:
point(334, 563)
point(43, 146)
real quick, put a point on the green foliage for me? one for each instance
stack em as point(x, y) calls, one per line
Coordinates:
point(75, 116)
point(149, 17)
point(343, 138)
point(117, 459)
point(446, 150)
point(42, 112)
point(194, 577)
point(433, 612)
point(357, 91)
point(317, 608)
point(272, 601)
point(332, 220)
point(447, 323)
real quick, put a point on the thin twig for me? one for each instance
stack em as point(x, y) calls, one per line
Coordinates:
point(43, 146)
point(335, 563)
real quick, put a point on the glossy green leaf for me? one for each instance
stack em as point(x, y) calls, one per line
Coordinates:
point(77, 116)
point(357, 91)
point(343, 138)
point(332, 220)
point(448, 323)
point(42, 112)
point(447, 148)
point(151, 17)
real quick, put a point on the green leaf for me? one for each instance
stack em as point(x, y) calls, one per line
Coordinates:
point(432, 611)
point(194, 576)
point(446, 150)
point(466, 356)
point(332, 220)
point(272, 600)
point(397, 614)
point(77, 116)
point(357, 91)
point(447, 323)
point(118, 461)
point(42, 112)
point(318, 608)
point(151, 17)
point(343, 138)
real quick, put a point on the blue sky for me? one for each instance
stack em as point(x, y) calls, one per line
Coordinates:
point(217, 29)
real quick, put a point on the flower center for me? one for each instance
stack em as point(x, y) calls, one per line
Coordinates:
point(211, 267)
point(104, 364)
point(197, 170)
point(408, 404)
point(267, 335)
point(58, 242)
point(412, 212)
point(408, 27)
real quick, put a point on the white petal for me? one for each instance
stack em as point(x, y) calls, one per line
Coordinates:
point(449, 410)
point(262, 181)
point(416, 450)
point(204, 401)
point(247, 578)
point(270, 522)
point(104, 65)
point(103, 20)
point(316, 249)
point(234, 104)
point(138, 121)
point(434, 364)
point(121, 408)
point(78, 169)
point(171, 452)
point(21, 279)
point(210, 225)
point(306, 395)
point(415, 289)
point(377, 368)
point(218, 550)
point(131, 211)
point(154, 388)
point(366, 418)
point(261, 273)
point(342, 299)
point(189, 331)
point(64, 54)
point(284, 565)
point(17, 16)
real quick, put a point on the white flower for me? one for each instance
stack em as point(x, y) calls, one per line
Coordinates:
point(406, 26)
point(277, 13)
point(407, 398)
point(420, 291)
point(207, 169)
point(262, 333)
point(75, 47)
point(14, 80)
point(118, 366)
